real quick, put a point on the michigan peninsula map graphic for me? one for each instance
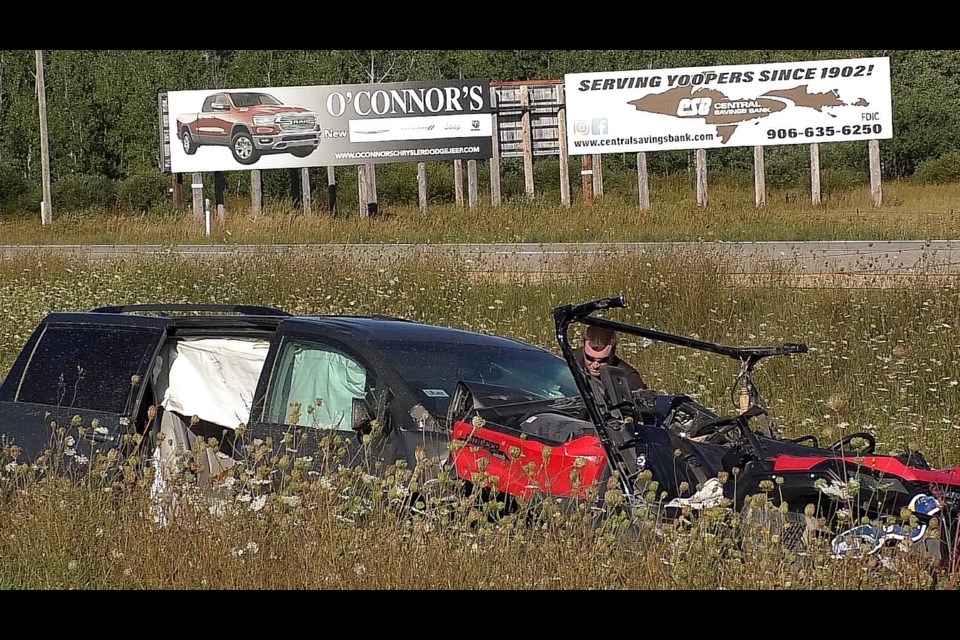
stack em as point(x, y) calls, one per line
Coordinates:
point(728, 114)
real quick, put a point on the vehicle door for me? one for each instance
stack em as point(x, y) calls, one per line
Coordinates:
point(318, 396)
point(90, 374)
point(213, 123)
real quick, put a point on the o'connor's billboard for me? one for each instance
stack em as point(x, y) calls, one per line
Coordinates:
point(729, 106)
point(289, 127)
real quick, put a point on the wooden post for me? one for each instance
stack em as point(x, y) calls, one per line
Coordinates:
point(458, 181)
point(643, 181)
point(218, 195)
point(362, 190)
point(305, 190)
point(495, 197)
point(701, 177)
point(565, 199)
point(526, 141)
point(815, 173)
point(598, 175)
point(759, 177)
point(332, 191)
point(256, 192)
point(586, 177)
point(197, 187)
point(367, 186)
point(876, 188)
point(472, 186)
point(296, 195)
point(177, 190)
point(373, 202)
point(46, 208)
point(422, 185)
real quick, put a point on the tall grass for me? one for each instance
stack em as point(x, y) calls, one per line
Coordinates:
point(908, 212)
point(885, 361)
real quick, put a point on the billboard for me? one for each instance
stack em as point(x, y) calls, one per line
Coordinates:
point(545, 99)
point(729, 106)
point(291, 127)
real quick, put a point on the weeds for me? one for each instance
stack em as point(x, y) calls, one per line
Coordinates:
point(882, 361)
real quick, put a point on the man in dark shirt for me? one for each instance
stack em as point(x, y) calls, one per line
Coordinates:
point(599, 348)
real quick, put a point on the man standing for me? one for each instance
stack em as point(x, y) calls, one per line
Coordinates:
point(600, 347)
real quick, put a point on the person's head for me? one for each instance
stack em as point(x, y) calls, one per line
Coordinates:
point(599, 347)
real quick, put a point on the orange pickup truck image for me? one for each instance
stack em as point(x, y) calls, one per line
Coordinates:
point(251, 124)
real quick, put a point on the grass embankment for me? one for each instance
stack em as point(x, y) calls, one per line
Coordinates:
point(908, 212)
point(885, 361)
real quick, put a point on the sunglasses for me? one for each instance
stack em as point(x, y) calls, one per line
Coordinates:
point(603, 360)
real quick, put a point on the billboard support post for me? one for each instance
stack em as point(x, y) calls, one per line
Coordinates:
point(643, 181)
point(332, 190)
point(458, 182)
point(876, 188)
point(759, 178)
point(218, 189)
point(815, 194)
point(586, 175)
point(197, 186)
point(701, 178)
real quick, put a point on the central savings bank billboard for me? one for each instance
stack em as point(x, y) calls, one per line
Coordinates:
point(290, 127)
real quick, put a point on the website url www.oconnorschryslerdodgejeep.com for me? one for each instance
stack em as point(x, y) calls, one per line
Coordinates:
point(665, 139)
point(404, 153)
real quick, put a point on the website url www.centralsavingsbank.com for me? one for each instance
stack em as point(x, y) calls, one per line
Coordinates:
point(404, 153)
point(666, 139)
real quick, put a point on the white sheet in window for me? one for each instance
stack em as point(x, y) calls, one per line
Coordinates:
point(214, 378)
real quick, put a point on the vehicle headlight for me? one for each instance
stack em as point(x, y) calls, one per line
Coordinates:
point(261, 121)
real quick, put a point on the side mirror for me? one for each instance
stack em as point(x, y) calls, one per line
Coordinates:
point(362, 420)
point(373, 407)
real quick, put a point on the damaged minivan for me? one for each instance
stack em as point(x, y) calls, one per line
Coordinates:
point(162, 379)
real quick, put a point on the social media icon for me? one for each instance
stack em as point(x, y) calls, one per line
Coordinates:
point(598, 127)
point(581, 127)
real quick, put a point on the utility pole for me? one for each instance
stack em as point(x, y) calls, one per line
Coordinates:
point(46, 207)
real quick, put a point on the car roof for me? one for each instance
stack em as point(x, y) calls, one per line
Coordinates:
point(358, 327)
point(386, 328)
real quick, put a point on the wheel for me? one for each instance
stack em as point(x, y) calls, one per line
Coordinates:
point(189, 146)
point(243, 149)
point(846, 444)
point(302, 152)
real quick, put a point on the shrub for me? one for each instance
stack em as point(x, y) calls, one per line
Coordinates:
point(143, 191)
point(942, 170)
point(787, 167)
point(840, 179)
point(75, 192)
point(397, 183)
point(13, 187)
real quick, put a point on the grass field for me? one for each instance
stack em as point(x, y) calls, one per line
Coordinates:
point(908, 212)
point(882, 360)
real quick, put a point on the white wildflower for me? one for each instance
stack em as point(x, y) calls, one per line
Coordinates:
point(291, 501)
point(258, 503)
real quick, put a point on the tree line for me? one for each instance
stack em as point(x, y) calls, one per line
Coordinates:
point(103, 116)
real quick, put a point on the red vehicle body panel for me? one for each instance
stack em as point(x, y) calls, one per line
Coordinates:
point(881, 464)
point(525, 467)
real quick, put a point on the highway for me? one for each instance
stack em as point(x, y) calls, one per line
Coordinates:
point(850, 259)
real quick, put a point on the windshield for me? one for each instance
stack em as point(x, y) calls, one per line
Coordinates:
point(432, 370)
point(253, 99)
